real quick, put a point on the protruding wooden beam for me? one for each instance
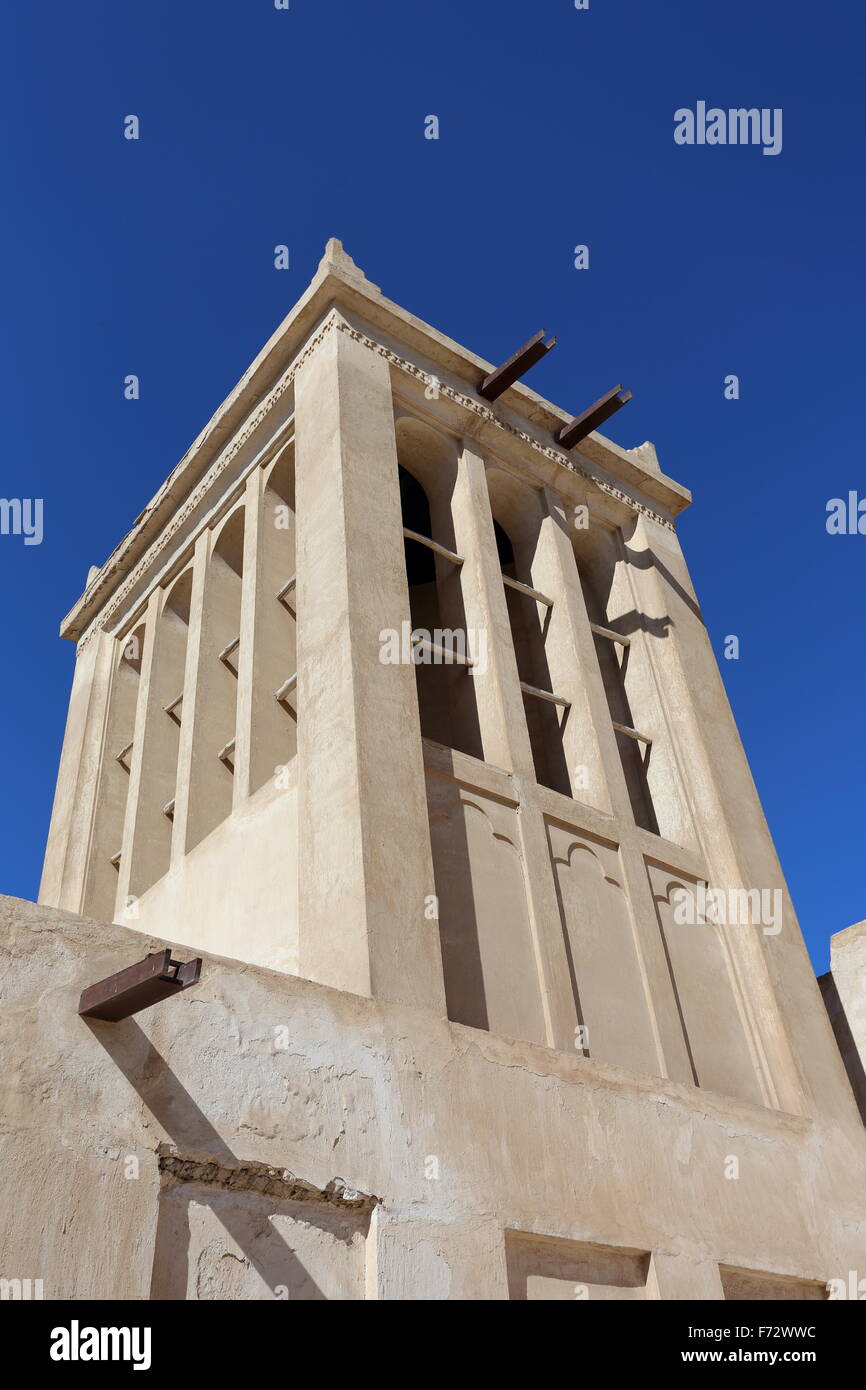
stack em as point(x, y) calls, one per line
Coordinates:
point(524, 358)
point(584, 424)
point(147, 982)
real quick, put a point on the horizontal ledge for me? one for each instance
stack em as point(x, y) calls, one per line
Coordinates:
point(119, 757)
point(610, 634)
point(227, 651)
point(226, 751)
point(172, 706)
point(286, 688)
point(433, 545)
point(631, 733)
point(525, 589)
point(449, 658)
point(547, 695)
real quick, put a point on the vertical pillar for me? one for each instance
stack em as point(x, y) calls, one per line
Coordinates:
point(571, 658)
point(505, 735)
point(65, 866)
point(366, 871)
point(266, 732)
point(251, 600)
point(146, 834)
point(192, 699)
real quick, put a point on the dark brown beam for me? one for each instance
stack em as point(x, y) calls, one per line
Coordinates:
point(584, 424)
point(140, 985)
point(506, 375)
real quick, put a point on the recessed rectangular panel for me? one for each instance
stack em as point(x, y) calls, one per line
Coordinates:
point(741, 1285)
point(549, 1268)
point(488, 957)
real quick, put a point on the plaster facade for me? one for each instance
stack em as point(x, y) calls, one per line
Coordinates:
point(464, 881)
point(266, 1137)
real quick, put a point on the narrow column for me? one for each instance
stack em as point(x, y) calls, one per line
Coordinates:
point(505, 735)
point(63, 874)
point(191, 699)
point(571, 657)
point(366, 874)
point(146, 833)
point(250, 604)
point(267, 658)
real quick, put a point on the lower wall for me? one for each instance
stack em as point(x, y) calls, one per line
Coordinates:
point(261, 1136)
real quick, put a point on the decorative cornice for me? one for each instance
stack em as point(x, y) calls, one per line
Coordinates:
point(222, 462)
point(485, 413)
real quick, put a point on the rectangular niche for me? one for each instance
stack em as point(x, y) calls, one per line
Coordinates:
point(755, 1286)
point(488, 954)
point(546, 1268)
point(607, 975)
point(712, 1013)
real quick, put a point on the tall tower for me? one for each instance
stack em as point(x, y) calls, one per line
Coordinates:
point(389, 691)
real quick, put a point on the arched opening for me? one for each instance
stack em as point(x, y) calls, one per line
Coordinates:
point(517, 522)
point(529, 622)
point(213, 760)
point(151, 850)
point(446, 691)
point(274, 710)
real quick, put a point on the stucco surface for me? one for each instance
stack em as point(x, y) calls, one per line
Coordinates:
point(406, 1154)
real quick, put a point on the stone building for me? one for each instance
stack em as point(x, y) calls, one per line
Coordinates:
point(403, 716)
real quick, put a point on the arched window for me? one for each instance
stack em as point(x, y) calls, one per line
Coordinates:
point(529, 619)
point(213, 760)
point(518, 517)
point(154, 813)
point(274, 696)
point(446, 691)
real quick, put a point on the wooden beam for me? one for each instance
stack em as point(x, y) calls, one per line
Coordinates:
point(138, 987)
point(525, 357)
point(584, 424)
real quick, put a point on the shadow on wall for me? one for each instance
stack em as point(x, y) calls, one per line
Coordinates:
point(219, 1218)
point(845, 1039)
point(648, 560)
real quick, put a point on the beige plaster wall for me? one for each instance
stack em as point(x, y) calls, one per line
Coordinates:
point(464, 1154)
point(237, 890)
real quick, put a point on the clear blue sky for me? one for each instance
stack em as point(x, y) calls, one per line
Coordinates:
point(261, 127)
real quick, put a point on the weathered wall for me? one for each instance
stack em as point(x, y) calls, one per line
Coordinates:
point(495, 1166)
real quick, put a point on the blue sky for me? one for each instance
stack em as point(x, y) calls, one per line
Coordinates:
point(261, 127)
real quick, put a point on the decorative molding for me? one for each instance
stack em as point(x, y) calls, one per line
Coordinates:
point(103, 618)
point(485, 413)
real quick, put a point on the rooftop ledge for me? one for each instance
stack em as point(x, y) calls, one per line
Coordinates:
point(338, 281)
